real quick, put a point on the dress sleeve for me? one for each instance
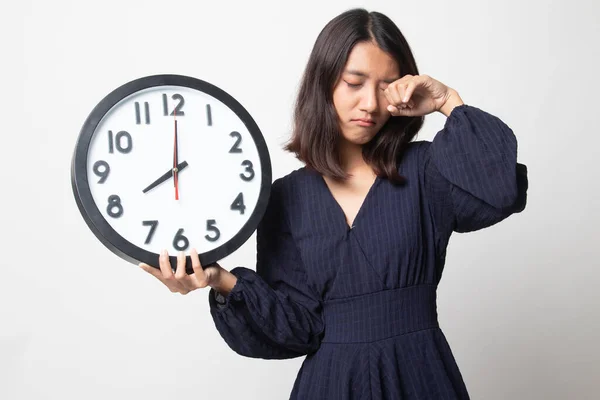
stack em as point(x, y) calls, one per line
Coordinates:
point(271, 313)
point(470, 172)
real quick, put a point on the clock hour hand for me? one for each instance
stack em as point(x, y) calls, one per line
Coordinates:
point(166, 176)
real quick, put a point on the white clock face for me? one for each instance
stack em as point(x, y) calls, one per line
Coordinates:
point(218, 178)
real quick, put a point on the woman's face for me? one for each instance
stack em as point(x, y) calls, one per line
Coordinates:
point(358, 95)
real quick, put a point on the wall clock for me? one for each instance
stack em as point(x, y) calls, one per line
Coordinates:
point(171, 161)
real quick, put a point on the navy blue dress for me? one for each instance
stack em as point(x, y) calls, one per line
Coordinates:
point(360, 301)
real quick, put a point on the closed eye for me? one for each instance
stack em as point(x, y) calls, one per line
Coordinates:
point(353, 85)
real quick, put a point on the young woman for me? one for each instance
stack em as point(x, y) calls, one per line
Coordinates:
point(352, 246)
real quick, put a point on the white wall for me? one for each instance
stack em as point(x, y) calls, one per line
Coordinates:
point(518, 301)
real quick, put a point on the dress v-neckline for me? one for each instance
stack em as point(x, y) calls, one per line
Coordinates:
point(339, 207)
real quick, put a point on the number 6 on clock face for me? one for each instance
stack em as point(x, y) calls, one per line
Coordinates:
point(169, 161)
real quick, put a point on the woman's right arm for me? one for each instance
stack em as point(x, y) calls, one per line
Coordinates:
point(272, 313)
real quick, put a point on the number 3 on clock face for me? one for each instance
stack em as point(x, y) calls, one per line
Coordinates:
point(169, 161)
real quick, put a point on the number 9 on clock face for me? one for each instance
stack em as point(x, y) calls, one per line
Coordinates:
point(169, 161)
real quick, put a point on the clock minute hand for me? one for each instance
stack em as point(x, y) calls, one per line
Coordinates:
point(175, 160)
point(165, 176)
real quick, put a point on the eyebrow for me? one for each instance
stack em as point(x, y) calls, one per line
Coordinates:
point(363, 75)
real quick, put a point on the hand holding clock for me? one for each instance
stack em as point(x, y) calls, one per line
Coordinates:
point(213, 275)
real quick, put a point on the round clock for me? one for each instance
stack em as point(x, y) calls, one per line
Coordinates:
point(171, 162)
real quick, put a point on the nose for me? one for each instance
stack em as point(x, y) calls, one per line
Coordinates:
point(369, 101)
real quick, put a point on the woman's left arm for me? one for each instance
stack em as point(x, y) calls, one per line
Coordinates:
point(469, 170)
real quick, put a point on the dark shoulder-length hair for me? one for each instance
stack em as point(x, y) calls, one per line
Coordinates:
point(316, 131)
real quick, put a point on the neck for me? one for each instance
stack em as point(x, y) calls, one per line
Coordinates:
point(352, 159)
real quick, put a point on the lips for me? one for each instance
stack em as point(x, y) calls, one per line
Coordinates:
point(364, 122)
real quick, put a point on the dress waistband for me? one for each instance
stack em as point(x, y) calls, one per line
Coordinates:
point(380, 315)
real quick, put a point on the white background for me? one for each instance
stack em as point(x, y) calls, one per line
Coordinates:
point(518, 301)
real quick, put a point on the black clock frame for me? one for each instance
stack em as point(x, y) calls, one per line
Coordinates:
point(93, 217)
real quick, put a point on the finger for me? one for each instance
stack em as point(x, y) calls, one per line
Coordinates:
point(405, 79)
point(180, 272)
point(400, 111)
point(393, 105)
point(158, 275)
point(397, 111)
point(199, 273)
point(165, 264)
point(152, 271)
point(396, 90)
point(388, 94)
point(410, 88)
point(167, 273)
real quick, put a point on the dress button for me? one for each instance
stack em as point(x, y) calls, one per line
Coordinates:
point(220, 298)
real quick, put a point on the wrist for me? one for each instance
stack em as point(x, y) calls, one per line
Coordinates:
point(451, 102)
point(224, 281)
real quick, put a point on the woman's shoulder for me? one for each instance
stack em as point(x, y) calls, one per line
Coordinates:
point(413, 154)
point(289, 186)
point(293, 179)
point(416, 147)
point(288, 192)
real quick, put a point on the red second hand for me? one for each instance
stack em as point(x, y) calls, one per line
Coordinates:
point(175, 172)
